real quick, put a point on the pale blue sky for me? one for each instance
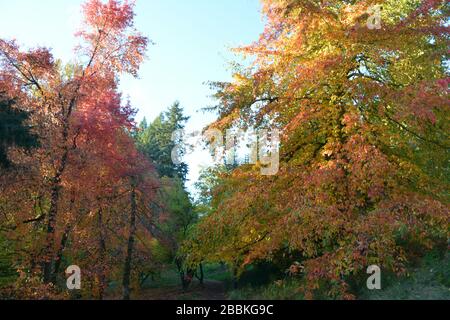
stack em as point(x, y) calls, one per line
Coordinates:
point(192, 40)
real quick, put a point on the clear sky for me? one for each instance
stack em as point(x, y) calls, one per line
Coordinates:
point(192, 41)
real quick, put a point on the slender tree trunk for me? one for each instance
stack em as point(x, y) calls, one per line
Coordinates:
point(48, 252)
point(179, 263)
point(187, 276)
point(201, 276)
point(64, 240)
point(53, 213)
point(235, 278)
point(128, 260)
point(63, 245)
point(51, 226)
point(102, 253)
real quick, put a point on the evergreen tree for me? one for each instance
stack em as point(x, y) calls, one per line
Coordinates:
point(156, 141)
point(13, 130)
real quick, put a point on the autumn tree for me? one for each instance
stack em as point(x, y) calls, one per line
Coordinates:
point(364, 153)
point(78, 108)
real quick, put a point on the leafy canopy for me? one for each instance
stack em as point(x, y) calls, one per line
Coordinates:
point(365, 148)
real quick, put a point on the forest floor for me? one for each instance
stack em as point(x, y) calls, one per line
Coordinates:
point(211, 290)
point(167, 286)
point(429, 280)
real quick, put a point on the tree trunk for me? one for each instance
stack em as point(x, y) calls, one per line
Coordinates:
point(179, 263)
point(102, 258)
point(185, 277)
point(128, 260)
point(59, 256)
point(52, 216)
point(62, 247)
point(201, 276)
point(51, 225)
point(235, 278)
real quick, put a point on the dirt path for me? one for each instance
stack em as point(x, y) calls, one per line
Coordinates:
point(212, 290)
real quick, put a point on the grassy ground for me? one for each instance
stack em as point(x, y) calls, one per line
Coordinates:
point(428, 281)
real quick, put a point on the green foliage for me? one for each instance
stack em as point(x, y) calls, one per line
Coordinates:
point(13, 130)
point(7, 273)
point(179, 206)
point(279, 290)
point(209, 179)
point(161, 141)
point(157, 141)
